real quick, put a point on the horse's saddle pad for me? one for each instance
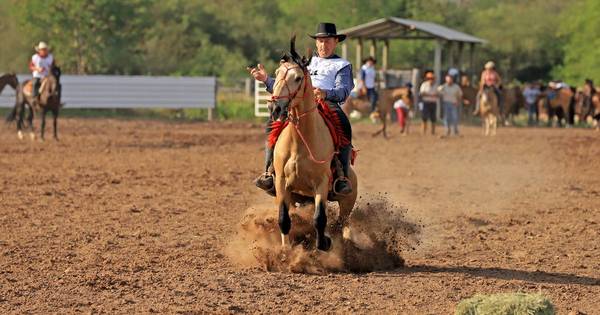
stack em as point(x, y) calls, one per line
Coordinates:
point(28, 87)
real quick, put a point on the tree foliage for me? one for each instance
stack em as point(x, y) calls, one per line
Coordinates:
point(528, 39)
point(580, 26)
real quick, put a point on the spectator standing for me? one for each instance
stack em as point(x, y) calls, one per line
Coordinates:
point(531, 94)
point(429, 96)
point(368, 76)
point(451, 95)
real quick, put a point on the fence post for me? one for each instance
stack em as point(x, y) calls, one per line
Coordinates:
point(212, 111)
point(248, 86)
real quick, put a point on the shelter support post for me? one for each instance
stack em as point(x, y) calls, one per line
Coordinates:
point(385, 54)
point(345, 50)
point(461, 47)
point(472, 60)
point(373, 49)
point(437, 67)
point(450, 53)
point(358, 54)
point(437, 60)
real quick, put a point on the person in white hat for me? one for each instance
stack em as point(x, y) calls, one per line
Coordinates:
point(489, 79)
point(40, 66)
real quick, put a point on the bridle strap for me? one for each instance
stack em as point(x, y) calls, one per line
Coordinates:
point(295, 119)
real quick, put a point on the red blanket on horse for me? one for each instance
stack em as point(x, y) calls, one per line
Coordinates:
point(331, 120)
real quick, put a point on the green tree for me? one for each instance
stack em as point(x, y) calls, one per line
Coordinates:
point(581, 26)
point(89, 36)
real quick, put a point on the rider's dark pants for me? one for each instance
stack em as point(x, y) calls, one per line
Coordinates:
point(37, 83)
point(372, 96)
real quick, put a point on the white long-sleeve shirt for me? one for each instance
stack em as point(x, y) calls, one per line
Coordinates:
point(44, 63)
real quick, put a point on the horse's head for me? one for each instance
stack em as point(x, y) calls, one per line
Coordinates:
point(9, 79)
point(292, 83)
point(56, 72)
point(49, 92)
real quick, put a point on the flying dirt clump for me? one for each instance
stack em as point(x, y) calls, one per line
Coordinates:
point(373, 238)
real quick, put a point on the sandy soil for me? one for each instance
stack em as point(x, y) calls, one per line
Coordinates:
point(136, 216)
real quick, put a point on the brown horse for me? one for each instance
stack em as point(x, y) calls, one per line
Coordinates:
point(48, 100)
point(469, 96)
point(387, 97)
point(588, 111)
point(8, 79)
point(555, 103)
point(11, 80)
point(489, 111)
point(513, 102)
point(304, 150)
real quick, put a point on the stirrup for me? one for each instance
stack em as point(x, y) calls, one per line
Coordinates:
point(337, 180)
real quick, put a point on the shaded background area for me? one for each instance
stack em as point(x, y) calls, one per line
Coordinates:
point(529, 40)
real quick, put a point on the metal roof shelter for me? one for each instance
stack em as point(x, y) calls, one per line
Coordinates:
point(397, 28)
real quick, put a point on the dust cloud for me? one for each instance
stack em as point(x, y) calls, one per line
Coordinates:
point(374, 237)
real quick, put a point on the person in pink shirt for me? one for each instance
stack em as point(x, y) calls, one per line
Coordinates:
point(489, 79)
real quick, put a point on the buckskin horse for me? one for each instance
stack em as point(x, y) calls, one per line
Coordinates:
point(49, 100)
point(304, 151)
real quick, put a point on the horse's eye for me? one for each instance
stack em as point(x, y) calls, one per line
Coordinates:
point(298, 79)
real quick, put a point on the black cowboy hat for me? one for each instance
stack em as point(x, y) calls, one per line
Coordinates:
point(328, 30)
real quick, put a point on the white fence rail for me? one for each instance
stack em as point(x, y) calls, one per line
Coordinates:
point(261, 96)
point(108, 91)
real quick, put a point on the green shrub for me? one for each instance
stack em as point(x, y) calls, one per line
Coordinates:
point(506, 304)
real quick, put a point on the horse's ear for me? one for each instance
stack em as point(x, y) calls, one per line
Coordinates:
point(295, 57)
point(309, 55)
point(285, 58)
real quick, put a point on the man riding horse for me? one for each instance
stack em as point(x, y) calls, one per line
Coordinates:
point(332, 80)
point(40, 66)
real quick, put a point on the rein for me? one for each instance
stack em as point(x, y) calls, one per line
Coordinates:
point(295, 119)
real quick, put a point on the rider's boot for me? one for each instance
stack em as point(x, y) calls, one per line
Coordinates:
point(266, 181)
point(342, 185)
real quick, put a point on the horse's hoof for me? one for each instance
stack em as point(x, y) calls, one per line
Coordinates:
point(32, 136)
point(325, 245)
point(20, 135)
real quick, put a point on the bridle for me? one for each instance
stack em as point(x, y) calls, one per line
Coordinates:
point(294, 116)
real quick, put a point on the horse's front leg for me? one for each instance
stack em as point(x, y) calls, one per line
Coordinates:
point(55, 122)
point(484, 125)
point(320, 216)
point(19, 114)
point(30, 118)
point(283, 201)
point(44, 112)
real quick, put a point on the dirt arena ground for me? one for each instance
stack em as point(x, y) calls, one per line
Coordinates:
point(134, 217)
